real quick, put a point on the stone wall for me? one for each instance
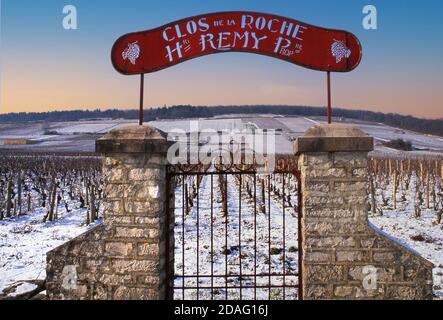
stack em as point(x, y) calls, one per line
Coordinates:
point(343, 256)
point(129, 255)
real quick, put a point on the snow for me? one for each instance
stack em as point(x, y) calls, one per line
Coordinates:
point(403, 227)
point(25, 240)
point(419, 234)
point(392, 238)
point(80, 135)
point(23, 288)
point(88, 126)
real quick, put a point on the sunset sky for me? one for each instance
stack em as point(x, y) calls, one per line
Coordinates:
point(44, 67)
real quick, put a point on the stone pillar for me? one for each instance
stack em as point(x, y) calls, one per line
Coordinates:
point(344, 257)
point(135, 209)
point(130, 256)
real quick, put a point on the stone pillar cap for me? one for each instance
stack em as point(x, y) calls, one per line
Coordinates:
point(133, 139)
point(333, 138)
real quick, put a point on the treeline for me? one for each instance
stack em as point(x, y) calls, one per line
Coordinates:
point(434, 127)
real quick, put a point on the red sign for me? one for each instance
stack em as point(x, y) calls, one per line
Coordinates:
point(283, 38)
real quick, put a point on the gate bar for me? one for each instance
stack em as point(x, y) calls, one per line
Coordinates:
point(239, 232)
point(255, 235)
point(169, 292)
point(212, 237)
point(184, 201)
point(284, 238)
point(198, 236)
point(269, 235)
point(300, 239)
point(262, 275)
point(225, 190)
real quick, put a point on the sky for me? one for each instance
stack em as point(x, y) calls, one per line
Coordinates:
point(45, 67)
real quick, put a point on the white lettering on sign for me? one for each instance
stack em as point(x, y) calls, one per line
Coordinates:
point(177, 49)
point(166, 35)
point(204, 26)
point(209, 39)
point(282, 43)
point(257, 40)
point(271, 25)
point(241, 37)
point(222, 38)
point(191, 27)
point(246, 21)
point(256, 30)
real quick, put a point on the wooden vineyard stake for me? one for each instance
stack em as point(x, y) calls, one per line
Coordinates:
point(427, 190)
point(8, 199)
point(390, 167)
point(373, 200)
point(394, 193)
point(402, 169)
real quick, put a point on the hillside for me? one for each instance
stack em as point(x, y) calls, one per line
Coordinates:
point(80, 136)
point(434, 127)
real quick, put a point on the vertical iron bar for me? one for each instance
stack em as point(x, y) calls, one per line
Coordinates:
point(142, 87)
point(329, 97)
point(169, 272)
point(284, 238)
point(300, 239)
point(198, 236)
point(183, 232)
point(239, 233)
point(255, 236)
point(225, 183)
point(212, 237)
point(269, 234)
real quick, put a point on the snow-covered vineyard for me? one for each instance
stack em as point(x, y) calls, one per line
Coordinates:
point(45, 201)
point(54, 199)
point(252, 246)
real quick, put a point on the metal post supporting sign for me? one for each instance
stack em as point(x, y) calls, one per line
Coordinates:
point(329, 97)
point(142, 88)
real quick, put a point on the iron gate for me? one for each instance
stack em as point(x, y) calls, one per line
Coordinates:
point(236, 231)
